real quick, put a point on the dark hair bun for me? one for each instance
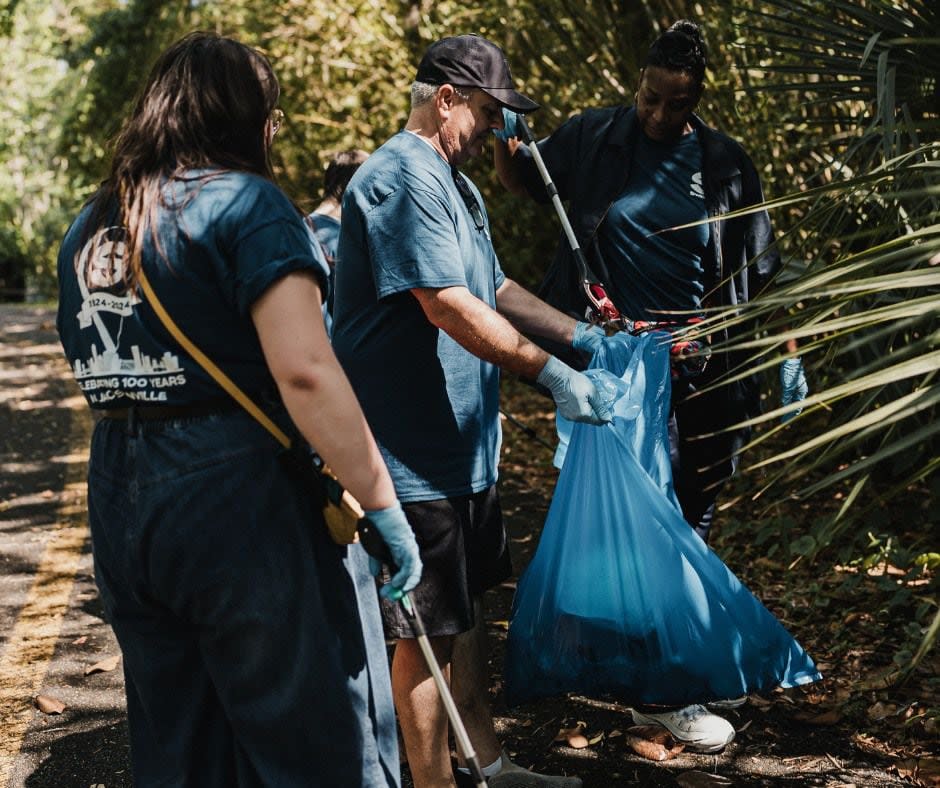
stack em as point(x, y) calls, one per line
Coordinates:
point(680, 48)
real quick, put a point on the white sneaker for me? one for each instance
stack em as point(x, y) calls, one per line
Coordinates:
point(694, 726)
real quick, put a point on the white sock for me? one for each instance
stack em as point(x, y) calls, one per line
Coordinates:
point(488, 771)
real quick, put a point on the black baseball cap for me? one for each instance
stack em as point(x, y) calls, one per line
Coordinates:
point(472, 61)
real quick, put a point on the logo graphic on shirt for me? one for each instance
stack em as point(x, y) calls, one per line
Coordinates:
point(106, 374)
point(695, 187)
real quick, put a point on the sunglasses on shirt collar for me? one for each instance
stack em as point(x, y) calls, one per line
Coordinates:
point(473, 207)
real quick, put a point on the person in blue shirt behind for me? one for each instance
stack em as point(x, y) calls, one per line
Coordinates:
point(423, 321)
point(640, 182)
point(252, 646)
point(325, 218)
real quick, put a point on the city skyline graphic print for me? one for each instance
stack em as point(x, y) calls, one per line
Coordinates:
point(116, 370)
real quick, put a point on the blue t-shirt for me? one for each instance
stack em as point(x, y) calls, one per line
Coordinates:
point(433, 406)
point(326, 229)
point(233, 235)
point(653, 268)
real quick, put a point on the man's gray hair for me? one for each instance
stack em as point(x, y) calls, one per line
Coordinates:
point(423, 92)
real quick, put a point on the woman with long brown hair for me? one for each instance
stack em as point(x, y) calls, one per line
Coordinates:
point(253, 654)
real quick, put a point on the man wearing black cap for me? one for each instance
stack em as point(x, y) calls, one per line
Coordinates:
point(423, 319)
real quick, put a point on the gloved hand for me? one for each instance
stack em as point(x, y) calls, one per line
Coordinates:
point(576, 396)
point(511, 127)
point(588, 337)
point(793, 385)
point(397, 534)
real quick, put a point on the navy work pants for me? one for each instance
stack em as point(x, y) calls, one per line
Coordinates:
point(252, 645)
point(701, 466)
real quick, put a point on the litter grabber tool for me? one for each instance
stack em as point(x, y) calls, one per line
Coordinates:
point(603, 309)
point(688, 356)
point(374, 545)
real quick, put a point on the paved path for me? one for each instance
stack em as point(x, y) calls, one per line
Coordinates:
point(50, 617)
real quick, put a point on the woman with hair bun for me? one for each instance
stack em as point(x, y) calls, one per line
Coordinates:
point(640, 182)
point(252, 646)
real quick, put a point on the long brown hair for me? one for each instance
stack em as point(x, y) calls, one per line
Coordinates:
point(205, 105)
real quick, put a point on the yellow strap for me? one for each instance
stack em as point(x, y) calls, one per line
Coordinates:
point(206, 363)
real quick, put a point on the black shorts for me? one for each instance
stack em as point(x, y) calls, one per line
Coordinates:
point(464, 550)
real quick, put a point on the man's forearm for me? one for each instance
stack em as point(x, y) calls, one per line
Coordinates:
point(530, 315)
point(482, 331)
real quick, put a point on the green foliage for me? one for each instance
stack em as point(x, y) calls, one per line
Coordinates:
point(855, 129)
point(7, 13)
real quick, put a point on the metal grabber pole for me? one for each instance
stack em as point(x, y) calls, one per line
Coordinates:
point(375, 546)
point(604, 309)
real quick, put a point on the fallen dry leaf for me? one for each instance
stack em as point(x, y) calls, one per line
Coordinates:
point(831, 717)
point(872, 746)
point(696, 779)
point(761, 703)
point(49, 705)
point(104, 666)
point(573, 737)
point(578, 741)
point(653, 742)
point(925, 770)
point(879, 710)
point(652, 751)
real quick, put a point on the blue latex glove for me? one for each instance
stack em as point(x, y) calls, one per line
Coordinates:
point(575, 394)
point(793, 387)
point(397, 534)
point(511, 127)
point(588, 337)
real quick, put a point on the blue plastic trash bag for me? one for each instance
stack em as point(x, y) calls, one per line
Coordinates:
point(622, 597)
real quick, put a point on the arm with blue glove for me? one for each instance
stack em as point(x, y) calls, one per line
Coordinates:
point(405, 561)
point(588, 337)
point(575, 394)
point(793, 386)
point(504, 151)
point(511, 128)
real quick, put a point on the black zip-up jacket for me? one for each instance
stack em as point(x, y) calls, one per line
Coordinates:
point(589, 160)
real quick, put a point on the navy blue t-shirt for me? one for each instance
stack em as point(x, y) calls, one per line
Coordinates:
point(233, 235)
point(655, 269)
point(433, 406)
